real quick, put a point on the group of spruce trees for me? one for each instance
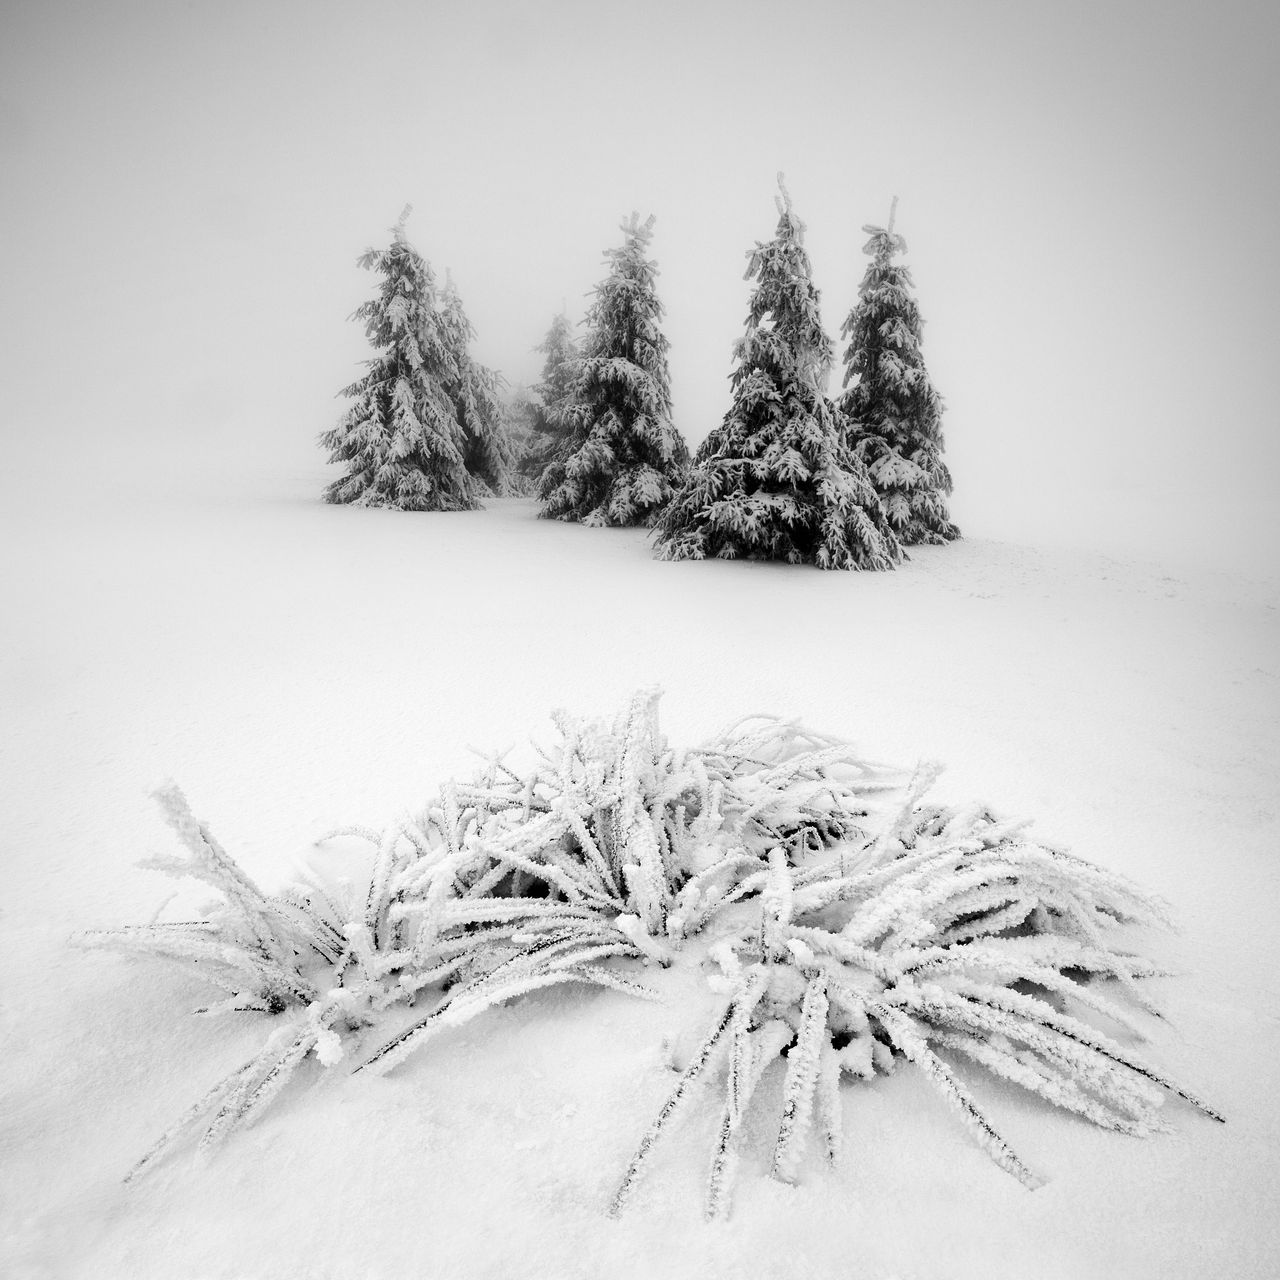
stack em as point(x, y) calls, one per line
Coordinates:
point(789, 474)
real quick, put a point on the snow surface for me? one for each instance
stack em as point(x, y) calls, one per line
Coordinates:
point(296, 667)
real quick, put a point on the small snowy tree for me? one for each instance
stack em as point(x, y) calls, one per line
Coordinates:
point(776, 480)
point(893, 413)
point(520, 406)
point(476, 394)
point(548, 421)
point(401, 441)
point(622, 456)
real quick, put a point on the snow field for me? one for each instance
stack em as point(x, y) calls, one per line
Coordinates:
point(296, 667)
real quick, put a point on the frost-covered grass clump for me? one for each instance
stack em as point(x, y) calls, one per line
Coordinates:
point(852, 925)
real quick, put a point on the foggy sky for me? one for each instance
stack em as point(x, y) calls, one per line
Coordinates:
point(1087, 192)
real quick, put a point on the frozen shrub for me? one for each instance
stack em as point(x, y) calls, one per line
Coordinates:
point(856, 926)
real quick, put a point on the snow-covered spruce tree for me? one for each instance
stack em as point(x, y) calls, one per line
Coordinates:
point(476, 394)
point(548, 424)
point(622, 457)
point(401, 441)
point(776, 480)
point(893, 414)
point(519, 407)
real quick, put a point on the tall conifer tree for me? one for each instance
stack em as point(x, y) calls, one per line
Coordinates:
point(776, 480)
point(622, 455)
point(893, 413)
point(401, 441)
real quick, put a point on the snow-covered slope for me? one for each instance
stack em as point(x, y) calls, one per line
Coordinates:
point(298, 667)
